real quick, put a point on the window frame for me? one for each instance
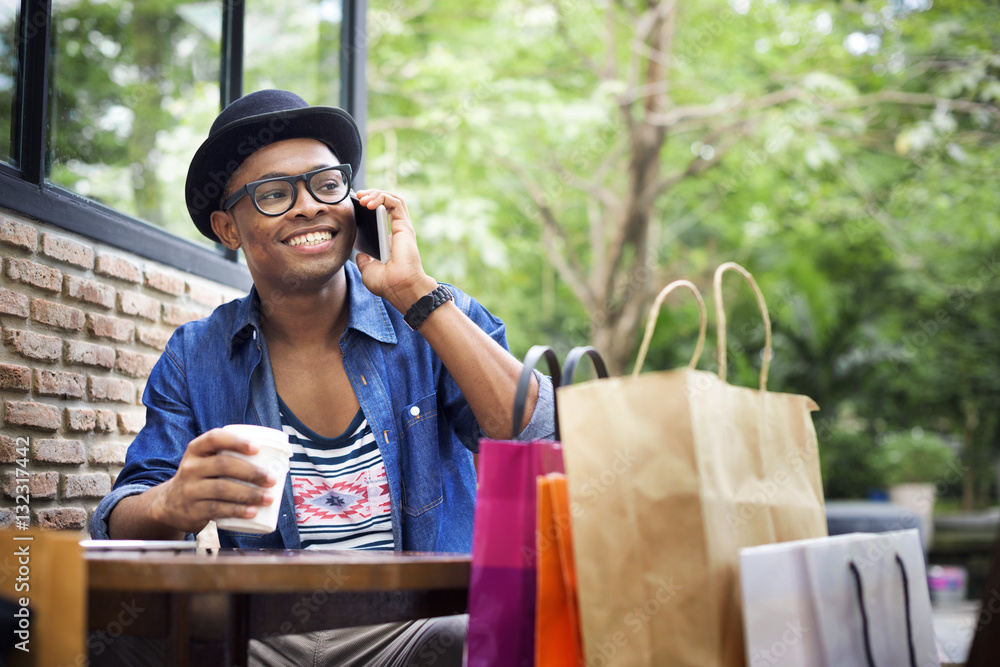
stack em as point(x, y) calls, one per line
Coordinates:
point(23, 188)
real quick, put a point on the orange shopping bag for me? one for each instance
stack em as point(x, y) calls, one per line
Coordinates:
point(557, 635)
point(557, 619)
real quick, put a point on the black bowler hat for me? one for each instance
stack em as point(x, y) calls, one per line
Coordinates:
point(252, 122)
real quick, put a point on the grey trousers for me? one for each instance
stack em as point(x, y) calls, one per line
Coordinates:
point(438, 642)
point(432, 641)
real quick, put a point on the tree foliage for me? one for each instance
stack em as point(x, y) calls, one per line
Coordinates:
point(565, 160)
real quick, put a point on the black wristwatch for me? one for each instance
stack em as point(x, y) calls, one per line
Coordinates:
point(425, 305)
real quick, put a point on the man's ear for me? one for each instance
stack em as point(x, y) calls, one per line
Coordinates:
point(224, 227)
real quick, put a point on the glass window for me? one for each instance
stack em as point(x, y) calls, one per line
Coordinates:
point(294, 45)
point(9, 16)
point(134, 89)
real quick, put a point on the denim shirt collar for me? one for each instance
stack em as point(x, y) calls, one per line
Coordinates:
point(366, 315)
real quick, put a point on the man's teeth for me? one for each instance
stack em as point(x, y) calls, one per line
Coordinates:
point(312, 238)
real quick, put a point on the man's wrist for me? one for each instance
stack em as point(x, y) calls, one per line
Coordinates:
point(422, 308)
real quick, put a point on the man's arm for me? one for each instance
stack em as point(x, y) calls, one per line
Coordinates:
point(485, 372)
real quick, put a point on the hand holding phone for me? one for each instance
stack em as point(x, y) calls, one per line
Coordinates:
point(373, 233)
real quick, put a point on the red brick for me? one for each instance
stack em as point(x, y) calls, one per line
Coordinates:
point(65, 250)
point(60, 451)
point(35, 274)
point(135, 364)
point(206, 296)
point(59, 383)
point(106, 326)
point(15, 378)
point(108, 452)
point(9, 449)
point(40, 484)
point(91, 291)
point(14, 303)
point(87, 485)
point(89, 354)
point(28, 413)
point(32, 345)
point(56, 315)
point(80, 419)
point(133, 303)
point(105, 420)
point(18, 234)
point(152, 337)
point(111, 389)
point(62, 518)
point(118, 267)
point(131, 422)
point(178, 315)
point(165, 282)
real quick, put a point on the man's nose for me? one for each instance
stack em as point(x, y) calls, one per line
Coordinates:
point(305, 203)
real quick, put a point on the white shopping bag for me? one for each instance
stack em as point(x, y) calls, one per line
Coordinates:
point(858, 599)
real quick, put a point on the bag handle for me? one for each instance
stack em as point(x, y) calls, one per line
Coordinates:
point(654, 313)
point(864, 613)
point(531, 360)
point(906, 604)
point(720, 316)
point(573, 359)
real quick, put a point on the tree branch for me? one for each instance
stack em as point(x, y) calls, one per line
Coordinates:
point(593, 187)
point(726, 105)
point(567, 262)
point(573, 46)
point(917, 99)
point(698, 164)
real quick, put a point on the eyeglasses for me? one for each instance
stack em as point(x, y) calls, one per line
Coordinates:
point(274, 196)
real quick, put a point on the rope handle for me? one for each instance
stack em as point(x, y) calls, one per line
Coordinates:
point(654, 313)
point(531, 360)
point(720, 316)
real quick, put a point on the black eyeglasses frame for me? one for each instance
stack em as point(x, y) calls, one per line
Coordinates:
point(251, 187)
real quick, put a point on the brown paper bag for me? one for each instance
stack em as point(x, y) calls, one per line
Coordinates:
point(670, 474)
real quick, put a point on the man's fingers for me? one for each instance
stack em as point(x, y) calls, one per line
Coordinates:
point(217, 440)
point(228, 491)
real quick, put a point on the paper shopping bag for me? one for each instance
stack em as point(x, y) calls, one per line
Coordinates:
point(857, 599)
point(502, 586)
point(670, 474)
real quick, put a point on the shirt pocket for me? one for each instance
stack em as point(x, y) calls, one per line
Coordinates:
point(420, 456)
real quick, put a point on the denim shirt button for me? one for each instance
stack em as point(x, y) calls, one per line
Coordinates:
point(415, 411)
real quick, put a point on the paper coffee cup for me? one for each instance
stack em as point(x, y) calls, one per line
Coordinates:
point(273, 456)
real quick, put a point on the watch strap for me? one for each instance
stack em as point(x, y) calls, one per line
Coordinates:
point(425, 305)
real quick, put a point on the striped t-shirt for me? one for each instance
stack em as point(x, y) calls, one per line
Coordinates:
point(340, 486)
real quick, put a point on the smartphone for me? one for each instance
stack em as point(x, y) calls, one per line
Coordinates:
point(374, 235)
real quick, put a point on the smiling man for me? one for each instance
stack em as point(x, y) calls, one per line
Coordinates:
point(383, 378)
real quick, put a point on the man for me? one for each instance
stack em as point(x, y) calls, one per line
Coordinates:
point(398, 374)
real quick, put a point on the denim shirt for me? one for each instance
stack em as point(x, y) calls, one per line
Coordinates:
point(216, 371)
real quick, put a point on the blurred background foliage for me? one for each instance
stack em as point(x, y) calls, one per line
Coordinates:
point(845, 152)
point(565, 159)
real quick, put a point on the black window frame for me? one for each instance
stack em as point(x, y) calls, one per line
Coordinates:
point(23, 188)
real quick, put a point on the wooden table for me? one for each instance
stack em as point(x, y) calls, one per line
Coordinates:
point(209, 604)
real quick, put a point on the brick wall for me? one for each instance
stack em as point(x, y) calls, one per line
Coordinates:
point(81, 326)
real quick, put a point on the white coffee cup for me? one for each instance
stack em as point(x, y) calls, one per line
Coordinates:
point(273, 456)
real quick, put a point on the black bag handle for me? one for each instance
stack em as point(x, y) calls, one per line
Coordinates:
point(531, 360)
point(906, 603)
point(864, 613)
point(573, 359)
